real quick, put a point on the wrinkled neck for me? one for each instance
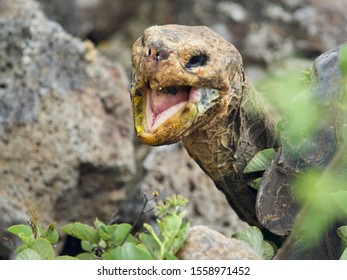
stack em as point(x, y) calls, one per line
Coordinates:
point(223, 147)
point(212, 144)
point(238, 130)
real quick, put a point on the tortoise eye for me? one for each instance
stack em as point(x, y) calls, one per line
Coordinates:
point(196, 61)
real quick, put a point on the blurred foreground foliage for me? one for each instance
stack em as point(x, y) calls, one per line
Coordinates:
point(322, 193)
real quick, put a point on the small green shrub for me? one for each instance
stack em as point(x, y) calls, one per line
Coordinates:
point(37, 242)
point(111, 242)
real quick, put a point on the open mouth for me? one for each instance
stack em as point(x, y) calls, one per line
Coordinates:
point(164, 115)
point(163, 103)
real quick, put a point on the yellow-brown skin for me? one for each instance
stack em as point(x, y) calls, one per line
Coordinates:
point(225, 135)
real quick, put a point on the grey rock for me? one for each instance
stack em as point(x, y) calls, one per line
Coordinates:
point(95, 20)
point(233, 10)
point(65, 123)
point(204, 243)
point(321, 25)
point(266, 43)
point(278, 13)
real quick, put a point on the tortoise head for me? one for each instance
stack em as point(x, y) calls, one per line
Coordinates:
point(181, 76)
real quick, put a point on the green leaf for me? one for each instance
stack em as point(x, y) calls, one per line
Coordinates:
point(152, 232)
point(255, 184)
point(169, 227)
point(177, 241)
point(87, 246)
point(151, 244)
point(340, 198)
point(344, 255)
point(120, 233)
point(52, 236)
point(82, 231)
point(343, 60)
point(342, 233)
point(100, 225)
point(102, 229)
point(111, 228)
point(28, 254)
point(128, 251)
point(21, 248)
point(102, 244)
point(255, 239)
point(260, 161)
point(24, 232)
point(43, 248)
point(87, 256)
point(169, 256)
point(28, 240)
point(21, 229)
point(65, 258)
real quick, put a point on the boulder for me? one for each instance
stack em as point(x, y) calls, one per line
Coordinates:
point(65, 124)
point(96, 20)
point(203, 243)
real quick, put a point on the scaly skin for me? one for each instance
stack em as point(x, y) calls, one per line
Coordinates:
point(223, 127)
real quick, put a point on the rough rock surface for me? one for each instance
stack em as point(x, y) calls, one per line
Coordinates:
point(65, 123)
point(204, 243)
point(96, 20)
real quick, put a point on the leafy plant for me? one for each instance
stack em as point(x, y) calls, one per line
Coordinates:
point(111, 242)
point(255, 239)
point(98, 241)
point(37, 242)
point(173, 229)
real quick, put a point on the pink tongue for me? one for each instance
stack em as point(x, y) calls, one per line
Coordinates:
point(159, 102)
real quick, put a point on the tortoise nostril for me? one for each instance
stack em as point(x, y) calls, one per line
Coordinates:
point(152, 53)
point(148, 52)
